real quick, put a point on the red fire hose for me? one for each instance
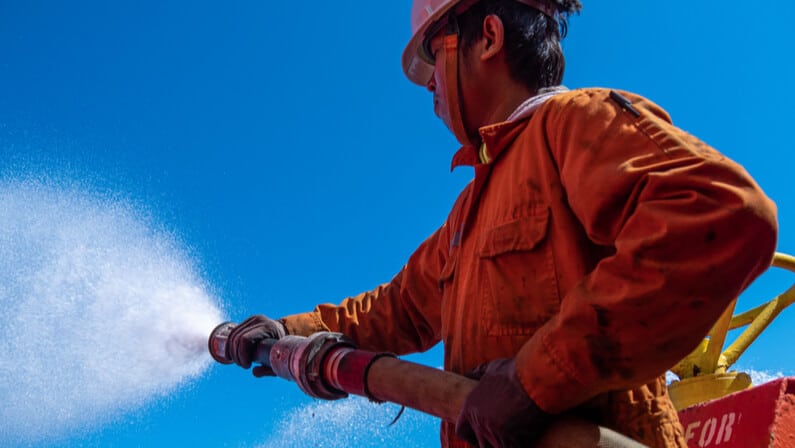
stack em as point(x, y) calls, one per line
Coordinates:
point(329, 366)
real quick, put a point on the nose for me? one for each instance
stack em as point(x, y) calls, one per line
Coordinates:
point(431, 86)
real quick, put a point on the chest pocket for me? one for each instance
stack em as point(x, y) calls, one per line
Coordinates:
point(518, 283)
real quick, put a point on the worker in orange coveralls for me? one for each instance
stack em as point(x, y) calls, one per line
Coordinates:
point(565, 273)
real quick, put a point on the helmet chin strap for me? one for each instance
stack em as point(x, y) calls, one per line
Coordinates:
point(454, 111)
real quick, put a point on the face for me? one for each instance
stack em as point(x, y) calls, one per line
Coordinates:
point(483, 82)
point(437, 84)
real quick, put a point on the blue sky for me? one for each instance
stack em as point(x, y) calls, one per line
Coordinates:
point(280, 144)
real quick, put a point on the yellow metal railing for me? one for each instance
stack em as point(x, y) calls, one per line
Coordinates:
point(703, 373)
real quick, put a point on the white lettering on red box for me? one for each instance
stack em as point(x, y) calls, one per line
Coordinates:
point(711, 433)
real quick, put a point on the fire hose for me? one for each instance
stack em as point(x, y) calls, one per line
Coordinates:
point(328, 366)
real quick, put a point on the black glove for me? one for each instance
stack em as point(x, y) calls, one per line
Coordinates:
point(243, 341)
point(498, 412)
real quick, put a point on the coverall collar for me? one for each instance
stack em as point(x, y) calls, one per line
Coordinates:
point(494, 135)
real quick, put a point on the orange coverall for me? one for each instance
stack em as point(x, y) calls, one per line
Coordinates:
point(597, 247)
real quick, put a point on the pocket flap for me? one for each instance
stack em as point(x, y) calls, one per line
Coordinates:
point(520, 234)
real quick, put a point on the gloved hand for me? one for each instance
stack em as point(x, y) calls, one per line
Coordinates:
point(498, 412)
point(243, 341)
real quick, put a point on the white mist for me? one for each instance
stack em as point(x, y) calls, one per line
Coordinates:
point(100, 312)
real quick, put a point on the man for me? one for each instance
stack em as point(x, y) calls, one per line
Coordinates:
point(595, 247)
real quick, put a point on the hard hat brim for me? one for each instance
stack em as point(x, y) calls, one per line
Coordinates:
point(417, 70)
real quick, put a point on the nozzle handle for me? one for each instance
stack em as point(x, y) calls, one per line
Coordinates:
point(262, 354)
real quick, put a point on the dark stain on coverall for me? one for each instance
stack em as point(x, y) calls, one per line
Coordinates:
point(601, 316)
point(710, 236)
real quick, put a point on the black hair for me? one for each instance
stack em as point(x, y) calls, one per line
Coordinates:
point(532, 38)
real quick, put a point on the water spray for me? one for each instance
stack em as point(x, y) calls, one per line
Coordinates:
point(103, 311)
point(328, 366)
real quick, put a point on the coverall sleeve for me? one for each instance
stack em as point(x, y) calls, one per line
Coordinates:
point(689, 229)
point(402, 316)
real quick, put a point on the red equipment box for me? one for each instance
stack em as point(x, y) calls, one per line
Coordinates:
point(763, 416)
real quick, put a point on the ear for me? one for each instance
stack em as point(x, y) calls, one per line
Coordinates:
point(493, 37)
